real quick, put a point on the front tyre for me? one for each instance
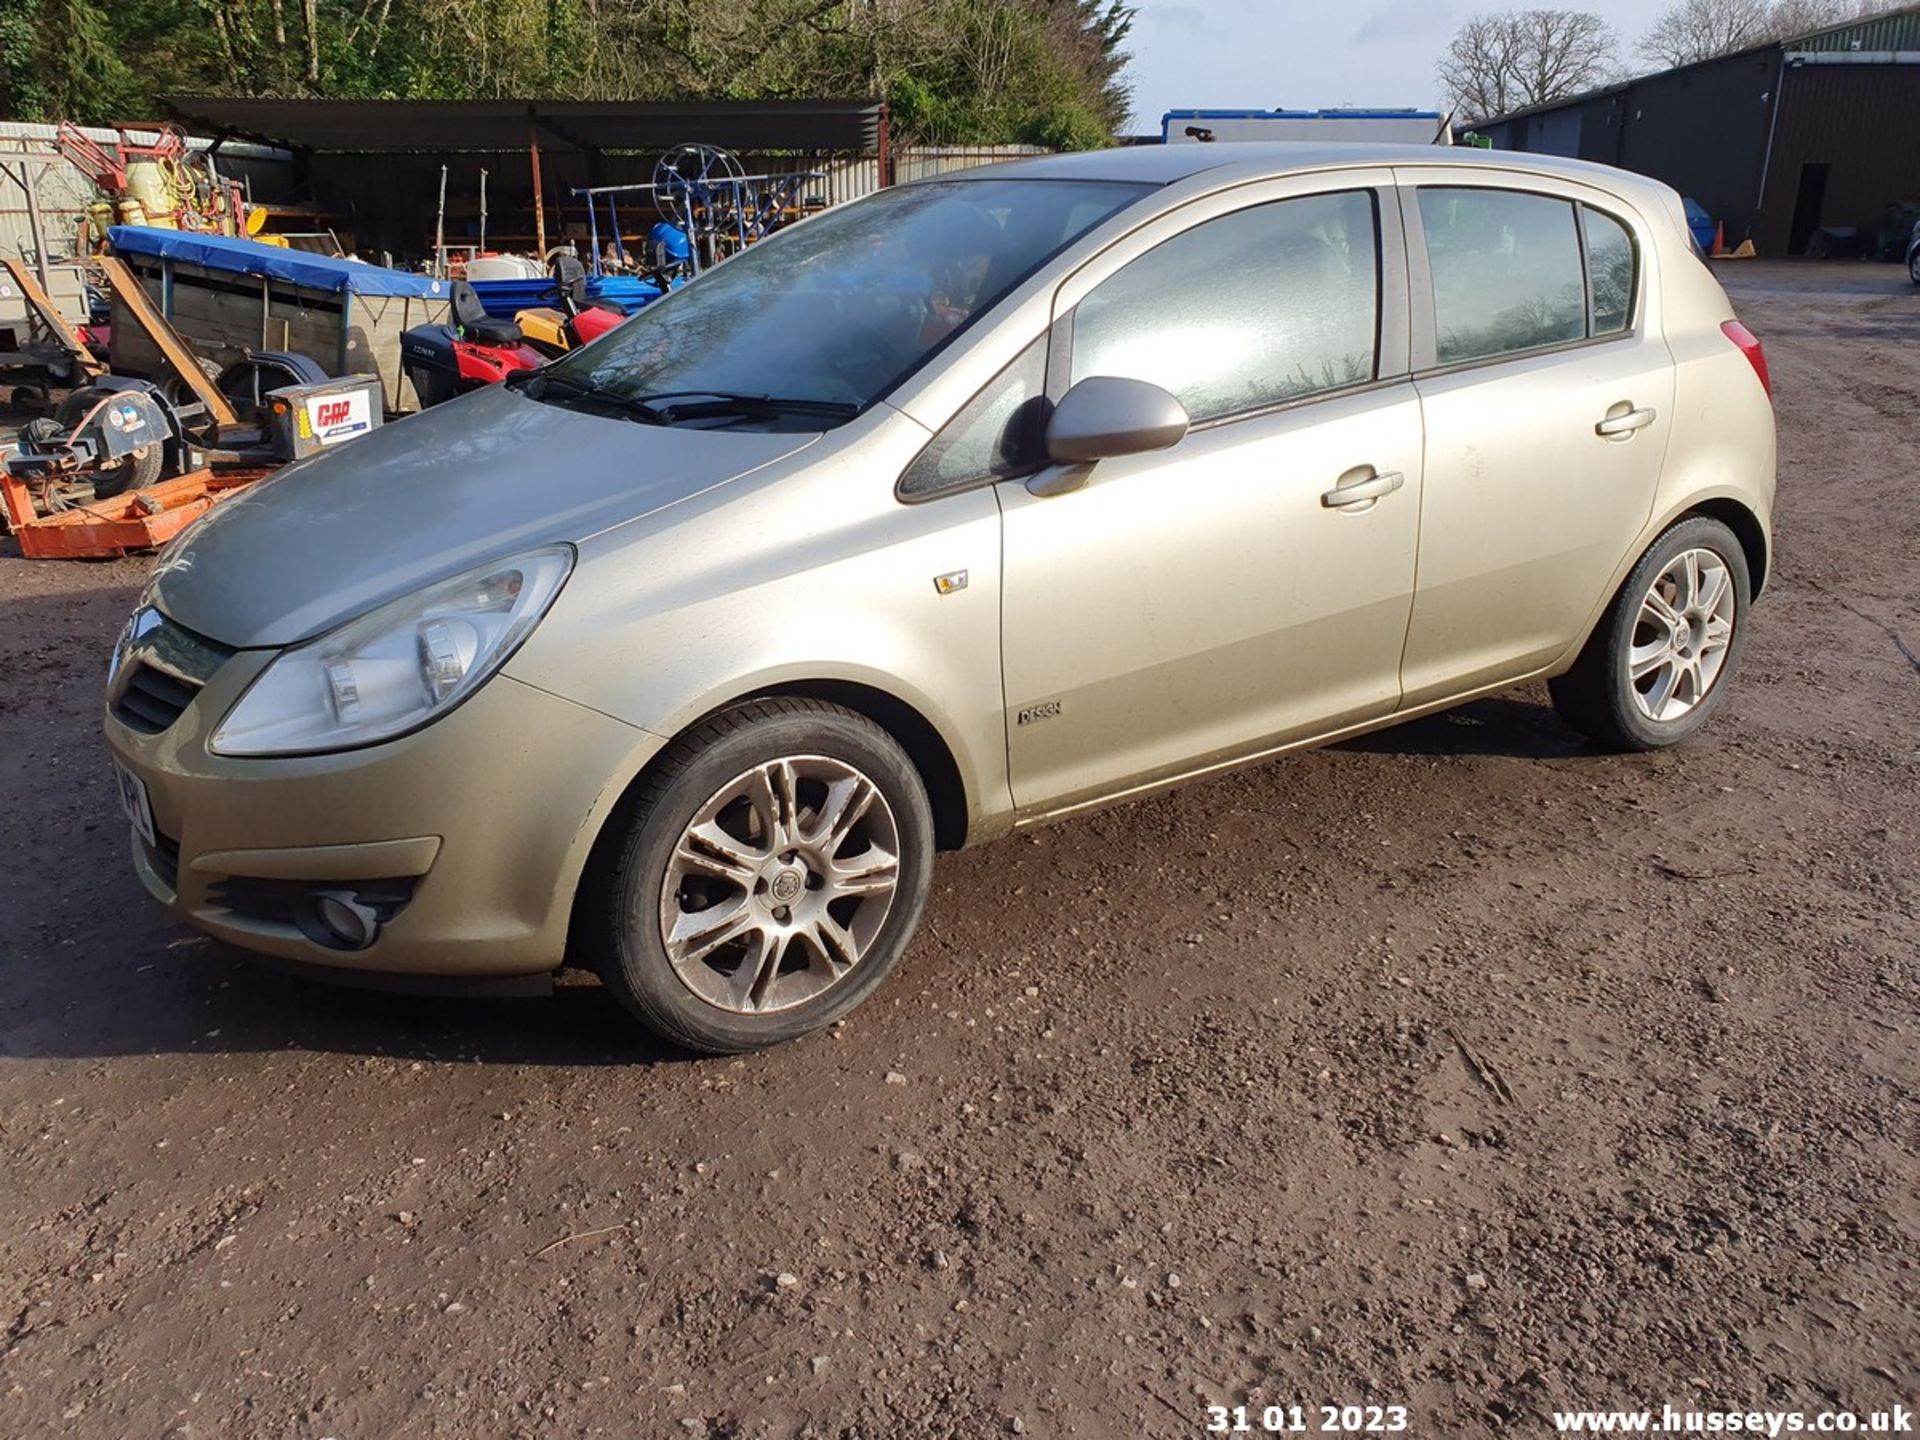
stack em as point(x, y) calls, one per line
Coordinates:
point(1659, 662)
point(775, 865)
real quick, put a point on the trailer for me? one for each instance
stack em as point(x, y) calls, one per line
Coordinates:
point(234, 297)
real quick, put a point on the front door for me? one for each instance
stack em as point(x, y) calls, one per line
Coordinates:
point(1195, 606)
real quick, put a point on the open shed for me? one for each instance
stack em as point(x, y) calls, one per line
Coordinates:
point(373, 166)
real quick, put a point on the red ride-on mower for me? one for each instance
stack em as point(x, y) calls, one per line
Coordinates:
point(476, 349)
point(572, 320)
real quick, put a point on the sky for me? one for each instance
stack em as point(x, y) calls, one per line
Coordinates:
point(1273, 54)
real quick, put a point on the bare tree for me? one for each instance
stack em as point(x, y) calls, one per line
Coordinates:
point(1500, 63)
point(1788, 18)
point(1701, 29)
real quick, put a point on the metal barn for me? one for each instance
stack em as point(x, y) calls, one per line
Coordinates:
point(1789, 144)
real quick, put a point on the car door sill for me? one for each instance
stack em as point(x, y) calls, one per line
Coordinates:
point(1025, 820)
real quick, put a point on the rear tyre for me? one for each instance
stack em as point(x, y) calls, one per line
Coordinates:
point(1659, 663)
point(772, 869)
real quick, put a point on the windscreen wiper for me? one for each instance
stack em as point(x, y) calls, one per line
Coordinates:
point(538, 385)
point(706, 404)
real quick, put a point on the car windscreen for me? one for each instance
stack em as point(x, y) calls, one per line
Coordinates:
point(836, 311)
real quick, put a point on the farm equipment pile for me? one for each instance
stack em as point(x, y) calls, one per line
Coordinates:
point(125, 463)
point(165, 183)
point(222, 358)
point(121, 466)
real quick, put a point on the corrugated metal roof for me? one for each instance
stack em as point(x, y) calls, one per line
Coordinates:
point(388, 127)
point(1895, 30)
point(30, 130)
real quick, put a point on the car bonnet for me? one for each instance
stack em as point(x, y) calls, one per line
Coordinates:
point(476, 479)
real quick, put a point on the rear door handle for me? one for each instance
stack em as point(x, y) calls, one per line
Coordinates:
point(1361, 487)
point(1624, 424)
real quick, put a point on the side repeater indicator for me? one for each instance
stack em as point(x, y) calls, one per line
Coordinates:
point(950, 583)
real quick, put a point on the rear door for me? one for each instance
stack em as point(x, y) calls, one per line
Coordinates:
point(1547, 393)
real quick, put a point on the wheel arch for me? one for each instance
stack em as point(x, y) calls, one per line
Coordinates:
point(1746, 528)
point(932, 758)
point(1730, 510)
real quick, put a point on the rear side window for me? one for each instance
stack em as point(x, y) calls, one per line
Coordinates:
point(1514, 272)
point(1610, 271)
point(1506, 272)
point(1252, 309)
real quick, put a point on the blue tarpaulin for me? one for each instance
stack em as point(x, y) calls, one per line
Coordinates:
point(507, 298)
point(295, 267)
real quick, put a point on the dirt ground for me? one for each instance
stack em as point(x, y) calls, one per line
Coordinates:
point(1459, 1068)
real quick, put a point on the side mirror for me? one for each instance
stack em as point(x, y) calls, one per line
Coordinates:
point(1104, 417)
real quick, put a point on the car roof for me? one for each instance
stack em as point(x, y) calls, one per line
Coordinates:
point(1237, 160)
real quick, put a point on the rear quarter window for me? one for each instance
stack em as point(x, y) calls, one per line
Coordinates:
point(1611, 271)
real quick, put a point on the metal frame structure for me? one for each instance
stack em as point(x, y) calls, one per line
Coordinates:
point(751, 202)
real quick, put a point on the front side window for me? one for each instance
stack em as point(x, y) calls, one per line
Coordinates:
point(1506, 272)
point(835, 312)
point(1253, 309)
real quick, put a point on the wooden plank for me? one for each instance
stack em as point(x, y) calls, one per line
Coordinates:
point(50, 317)
point(179, 355)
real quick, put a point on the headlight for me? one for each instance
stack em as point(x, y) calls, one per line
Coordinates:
point(398, 667)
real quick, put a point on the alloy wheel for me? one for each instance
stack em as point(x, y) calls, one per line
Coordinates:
point(780, 883)
point(1681, 635)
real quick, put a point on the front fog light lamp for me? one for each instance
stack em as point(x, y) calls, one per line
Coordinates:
point(395, 668)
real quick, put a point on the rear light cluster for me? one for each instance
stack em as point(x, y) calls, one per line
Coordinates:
point(1750, 347)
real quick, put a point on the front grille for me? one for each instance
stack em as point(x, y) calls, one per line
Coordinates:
point(152, 700)
point(162, 668)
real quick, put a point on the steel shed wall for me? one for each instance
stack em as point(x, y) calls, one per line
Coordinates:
point(1710, 129)
point(1703, 130)
point(1861, 120)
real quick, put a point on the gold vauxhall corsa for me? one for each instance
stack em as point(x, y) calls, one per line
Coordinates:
point(966, 506)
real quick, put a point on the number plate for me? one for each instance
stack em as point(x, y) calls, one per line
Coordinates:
point(133, 800)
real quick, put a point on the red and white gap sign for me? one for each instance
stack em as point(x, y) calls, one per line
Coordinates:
point(334, 418)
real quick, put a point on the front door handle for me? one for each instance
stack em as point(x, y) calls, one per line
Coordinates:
point(1359, 488)
point(1622, 421)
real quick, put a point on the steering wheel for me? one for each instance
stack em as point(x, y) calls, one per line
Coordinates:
point(865, 349)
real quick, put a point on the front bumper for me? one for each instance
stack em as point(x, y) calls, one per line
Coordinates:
point(467, 838)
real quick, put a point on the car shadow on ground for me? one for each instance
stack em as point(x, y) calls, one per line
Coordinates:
point(93, 969)
point(1508, 726)
point(177, 992)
